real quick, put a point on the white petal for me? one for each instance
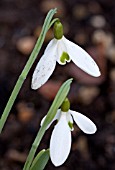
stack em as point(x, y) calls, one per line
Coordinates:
point(60, 143)
point(44, 68)
point(84, 123)
point(82, 59)
point(52, 43)
point(55, 118)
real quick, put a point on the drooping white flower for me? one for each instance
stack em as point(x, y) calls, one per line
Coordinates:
point(60, 142)
point(62, 51)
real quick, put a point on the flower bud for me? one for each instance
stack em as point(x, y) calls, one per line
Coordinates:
point(58, 30)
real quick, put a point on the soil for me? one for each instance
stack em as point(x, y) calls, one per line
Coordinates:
point(90, 24)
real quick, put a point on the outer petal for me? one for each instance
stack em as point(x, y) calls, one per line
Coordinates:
point(82, 59)
point(55, 118)
point(44, 68)
point(60, 142)
point(52, 43)
point(84, 123)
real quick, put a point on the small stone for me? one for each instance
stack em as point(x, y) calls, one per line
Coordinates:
point(88, 94)
point(99, 36)
point(98, 21)
point(26, 44)
point(25, 112)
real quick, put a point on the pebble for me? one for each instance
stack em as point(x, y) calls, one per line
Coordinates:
point(98, 21)
point(100, 36)
point(25, 112)
point(88, 94)
point(26, 44)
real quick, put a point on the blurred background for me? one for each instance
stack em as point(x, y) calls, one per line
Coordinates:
point(90, 24)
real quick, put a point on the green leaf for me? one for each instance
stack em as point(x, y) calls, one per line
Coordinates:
point(40, 160)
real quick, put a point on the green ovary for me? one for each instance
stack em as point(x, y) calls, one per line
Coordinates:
point(58, 30)
point(64, 57)
point(65, 105)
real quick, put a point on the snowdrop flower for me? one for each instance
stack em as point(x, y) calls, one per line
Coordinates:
point(60, 142)
point(62, 50)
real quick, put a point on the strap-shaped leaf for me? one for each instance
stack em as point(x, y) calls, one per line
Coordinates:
point(40, 160)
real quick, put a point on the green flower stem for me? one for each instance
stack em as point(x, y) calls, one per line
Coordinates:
point(61, 95)
point(53, 21)
point(27, 67)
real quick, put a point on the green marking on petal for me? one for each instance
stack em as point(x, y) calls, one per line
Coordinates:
point(64, 57)
point(65, 105)
point(58, 30)
point(70, 125)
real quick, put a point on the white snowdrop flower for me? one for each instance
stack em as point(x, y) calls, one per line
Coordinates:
point(62, 50)
point(60, 142)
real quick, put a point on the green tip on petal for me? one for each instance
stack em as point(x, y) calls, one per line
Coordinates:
point(65, 105)
point(70, 125)
point(64, 57)
point(58, 30)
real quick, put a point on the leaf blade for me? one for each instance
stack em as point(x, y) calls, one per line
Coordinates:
point(40, 160)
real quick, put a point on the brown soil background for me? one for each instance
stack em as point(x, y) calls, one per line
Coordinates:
point(91, 24)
